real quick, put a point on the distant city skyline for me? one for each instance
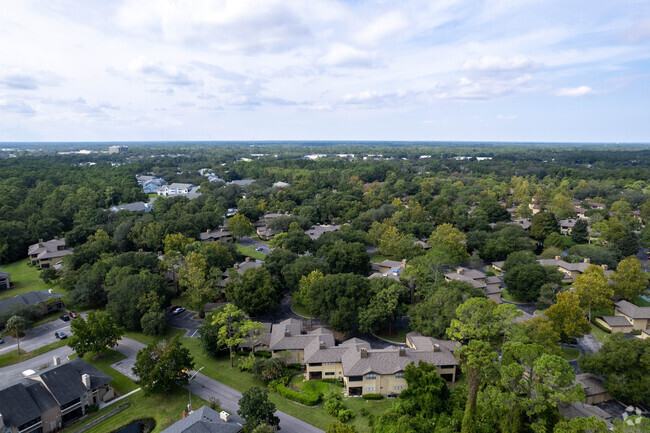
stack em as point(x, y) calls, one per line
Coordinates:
point(448, 70)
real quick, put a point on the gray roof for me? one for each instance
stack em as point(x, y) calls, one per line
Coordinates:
point(591, 384)
point(18, 405)
point(51, 245)
point(633, 311)
point(461, 277)
point(328, 352)
point(577, 267)
point(499, 264)
point(64, 381)
point(583, 410)
point(288, 335)
point(243, 182)
point(420, 342)
point(29, 298)
point(241, 268)
point(388, 360)
point(317, 231)
point(214, 234)
point(616, 321)
point(138, 206)
point(205, 420)
point(3, 275)
point(266, 336)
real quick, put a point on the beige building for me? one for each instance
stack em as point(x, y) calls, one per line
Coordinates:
point(240, 268)
point(639, 317)
point(220, 235)
point(491, 286)
point(595, 391)
point(388, 268)
point(48, 254)
point(289, 340)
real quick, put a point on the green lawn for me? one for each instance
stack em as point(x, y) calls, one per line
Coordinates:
point(219, 369)
point(398, 336)
point(569, 353)
point(24, 278)
point(299, 309)
point(150, 339)
point(640, 302)
point(120, 382)
point(599, 334)
point(510, 298)
point(13, 358)
point(378, 258)
point(249, 251)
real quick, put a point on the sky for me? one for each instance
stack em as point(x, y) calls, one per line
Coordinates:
point(494, 70)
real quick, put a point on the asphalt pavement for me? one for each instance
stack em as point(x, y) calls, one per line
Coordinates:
point(12, 372)
point(248, 241)
point(37, 337)
point(185, 320)
point(128, 348)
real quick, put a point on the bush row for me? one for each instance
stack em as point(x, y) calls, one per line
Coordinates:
point(300, 397)
point(373, 396)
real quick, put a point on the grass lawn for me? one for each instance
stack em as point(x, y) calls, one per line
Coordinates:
point(45, 319)
point(24, 278)
point(378, 258)
point(13, 358)
point(599, 334)
point(120, 382)
point(569, 353)
point(219, 369)
point(299, 309)
point(608, 311)
point(151, 339)
point(249, 251)
point(152, 195)
point(510, 298)
point(398, 335)
point(640, 302)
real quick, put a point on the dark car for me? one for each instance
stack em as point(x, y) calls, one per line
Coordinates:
point(73, 314)
point(171, 308)
point(65, 317)
point(60, 335)
point(1, 340)
point(179, 310)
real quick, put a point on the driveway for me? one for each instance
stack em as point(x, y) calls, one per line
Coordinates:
point(40, 362)
point(185, 320)
point(206, 387)
point(128, 348)
point(248, 241)
point(588, 344)
point(37, 337)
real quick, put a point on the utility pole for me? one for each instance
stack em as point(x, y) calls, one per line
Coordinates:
point(189, 388)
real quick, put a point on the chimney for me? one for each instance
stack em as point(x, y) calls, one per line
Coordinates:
point(402, 351)
point(363, 352)
point(56, 238)
point(50, 291)
point(56, 360)
point(604, 267)
point(224, 416)
point(86, 380)
point(221, 230)
point(403, 263)
point(247, 259)
point(321, 345)
point(236, 266)
point(459, 270)
point(40, 242)
point(436, 347)
point(140, 250)
point(208, 231)
point(587, 260)
point(557, 257)
point(287, 332)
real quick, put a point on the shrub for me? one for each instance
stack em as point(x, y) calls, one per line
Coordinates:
point(214, 403)
point(334, 381)
point(345, 415)
point(373, 396)
point(363, 411)
point(267, 369)
point(601, 327)
point(263, 353)
point(333, 406)
point(294, 366)
point(92, 408)
point(308, 399)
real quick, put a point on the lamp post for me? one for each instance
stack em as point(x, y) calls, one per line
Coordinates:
point(189, 389)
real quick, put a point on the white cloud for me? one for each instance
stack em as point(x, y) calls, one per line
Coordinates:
point(575, 92)
point(507, 117)
point(497, 64)
point(348, 56)
point(384, 26)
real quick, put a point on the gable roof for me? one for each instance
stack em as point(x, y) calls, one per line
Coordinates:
point(17, 405)
point(64, 381)
point(29, 298)
point(51, 245)
point(318, 230)
point(138, 206)
point(214, 234)
point(633, 311)
point(616, 321)
point(591, 384)
point(205, 420)
point(389, 361)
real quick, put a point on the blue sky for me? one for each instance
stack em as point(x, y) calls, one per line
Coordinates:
point(496, 70)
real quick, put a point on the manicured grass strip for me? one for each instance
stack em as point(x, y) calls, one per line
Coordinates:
point(151, 339)
point(299, 309)
point(511, 298)
point(24, 278)
point(640, 302)
point(12, 357)
point(599, 334)
point(121, 383)
point(399, 337)
point(249, 251)
point(164, 408)
point(570, 353)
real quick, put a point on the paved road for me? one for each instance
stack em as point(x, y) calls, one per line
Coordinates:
point(248, 241)
point(128, 348)
point(205, 387)
point(588, 344)
point(39, 336)
point(7, 374)
point(185, 320)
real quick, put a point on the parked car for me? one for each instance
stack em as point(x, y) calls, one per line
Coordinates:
point(65, 317)
point(1, 340)
point(73, 315)
point(171, 308)
point(179, 310)
point(259, 249)
point(60, 335)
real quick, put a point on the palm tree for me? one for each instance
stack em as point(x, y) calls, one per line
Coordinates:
point(16, 325)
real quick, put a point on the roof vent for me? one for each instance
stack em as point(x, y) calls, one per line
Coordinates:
point(363, 352)
point(287, 332)
point(436, 347)
point(587, 260)
point(225, 416)
point(557, 257)
point(50, 291)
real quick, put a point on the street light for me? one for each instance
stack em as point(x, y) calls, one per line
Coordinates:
point(189, 388)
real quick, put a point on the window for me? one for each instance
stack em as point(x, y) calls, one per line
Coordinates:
point(370, 388)
point(329, 373)
point(330, 363)
point(399, 375)
point(399, 387)
point(355, 378)
point(315, 364)
point(371, 376)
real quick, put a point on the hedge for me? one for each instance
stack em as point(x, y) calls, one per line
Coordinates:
point(300, 397)
point(601, 327)
point(373, 396)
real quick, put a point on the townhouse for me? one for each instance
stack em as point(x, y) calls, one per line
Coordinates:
point(491, 286)
point(240, 268)
point(388, 268)
point(48, 254)
point(220, 235)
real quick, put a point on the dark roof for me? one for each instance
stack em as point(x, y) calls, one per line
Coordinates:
point(3, 275)
point(616, 321)
point(205, 420)
point(138, 206)
point(64, 381)
point(29, 298)
point(17, 406)
point(633, 311)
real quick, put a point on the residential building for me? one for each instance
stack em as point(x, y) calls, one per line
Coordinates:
point(325, 361)
point(46, 300)
point(47, 254)
point(117, 149)
point(260, 339)
point(584, 410)
point(138, 206)
point(388, 268)
point(289, 340)
point(281, 185)
point(52, 398)
point(176, 189)
point(5, 280)
point(317, 231)
point(491, 286)
point(266, 233)
point(570, 270)
point(242, 183)
point(615, 323)
point(639, 317)
point(206, 420)
point(566, 226)
point(240, 268)
point(597, 205)
point(595, 391)
point(220, 235)
point(580, 212)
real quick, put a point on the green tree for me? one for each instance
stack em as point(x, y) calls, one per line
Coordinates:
point(452, 240)
point(176, 242)
point(482, 319)
point(96, 334)
point(153, 318)
point(581, 425)
point(542, 225)
point(630, 280)
point(339, 427)
point(592, 289)
point(256, 409)
point(263, 428)
point(476, 358)
point(519, 258)
point(16, 325)
point(427, 393)
point(193, 279)
point(253, 291)
point(382, 309)
point(579, 233)
point(162, 366)
point(342, 257)
point(568, 317)
point(625, 365)
point(233, 328)
point(526, 281)
point(239, 225)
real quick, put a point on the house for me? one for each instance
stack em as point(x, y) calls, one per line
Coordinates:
point(615, 323)
point(266, 233)
point(242, 183)
point(325, 361)
point(46, 254)
point(318, 230)
point(570, 270)
point(150, 184)
point(206, 420)
point(595, 391)
point(491, 286)
point(584, 410)
point(281, 185)
point(425, 246)
point(220, 235)
point(580, 212)
point(5, 281)
point(639, 317)
point(41, 298)
point(185, 189)
point(597, 205)
point(523, 222)
point(240, 268)
point(138, 206)
point(566, 226)
point(534, 208)
point(260, 340)
point(388, 268)
point(53, 398)
point(289, 340)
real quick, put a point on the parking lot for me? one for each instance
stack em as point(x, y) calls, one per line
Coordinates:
point(38, 336)
point(185, 320)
